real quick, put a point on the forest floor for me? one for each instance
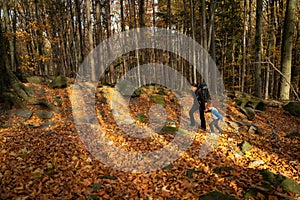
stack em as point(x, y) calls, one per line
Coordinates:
point(46, 158)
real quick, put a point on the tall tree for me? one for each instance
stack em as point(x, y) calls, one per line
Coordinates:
point(286, 50)
point(244, 48)
point(9, 30)
point(258, 48)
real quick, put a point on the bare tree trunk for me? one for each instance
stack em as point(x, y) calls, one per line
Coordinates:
point(8, 27)
point(193, 46)
point(258, 48)
point(90, 38)
point(213, 87)
point(79, 25)
point(204, 39)
point(286, 50)
point(244, 48)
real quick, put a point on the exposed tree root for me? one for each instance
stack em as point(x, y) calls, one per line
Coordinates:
point(18, 92)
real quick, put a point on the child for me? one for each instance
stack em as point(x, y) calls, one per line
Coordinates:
point(216, 116)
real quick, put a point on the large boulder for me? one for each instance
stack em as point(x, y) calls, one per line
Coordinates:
point(249, 112)
point(35, 79)
point(276, 180)
point(293, 108)
point(59, 82)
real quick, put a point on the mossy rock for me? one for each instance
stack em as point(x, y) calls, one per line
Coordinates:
point(57, 101)
point(290, 185)
point(159, 100)
point(35, 79)
point(138, 92)
point(245, 146)
point(161, 91)
point(26, 114)
point(293, 108)
point(142, 118)
point(249, 112)
point(45, 115)
point(280, 180)
point(252, 192)
point(59, 82)
point(168, 129)
point(216, 195)
point(219, 170)
point(169, 166)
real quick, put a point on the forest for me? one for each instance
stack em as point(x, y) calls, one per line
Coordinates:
point(96, 97)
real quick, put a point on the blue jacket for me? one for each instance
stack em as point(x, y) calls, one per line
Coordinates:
point(215, 114)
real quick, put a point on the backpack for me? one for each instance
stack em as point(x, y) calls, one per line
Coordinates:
point(202, 93)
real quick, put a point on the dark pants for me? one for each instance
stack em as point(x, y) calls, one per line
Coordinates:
point(201, 109)
point(214, 123)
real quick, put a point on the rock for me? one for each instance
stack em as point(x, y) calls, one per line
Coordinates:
point(250, 193)
point(35, 79)
point(253, 129)
point(254, 103)
point(45, 115)
point(159, 100)
point(290, 185)
point(282, 181)
point(26, 114)
point(293, 108)
point(233, 125)
point(219, 170)
point(108, 177)
point(138, 92)
point(216, 195)
point(245, 146)
point(273, 103)
point(59, 82)
point(48, 124)
point(142, 118)
point(169, 166)
point(168, 129)
point(190, 173)
point(49, 133)
point(57, 101)
point(249, 112)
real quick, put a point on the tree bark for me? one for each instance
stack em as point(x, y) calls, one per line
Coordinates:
point(258, 46)
point(286, 50)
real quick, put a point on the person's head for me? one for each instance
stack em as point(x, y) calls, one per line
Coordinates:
point(209, 104)
point(203, 85)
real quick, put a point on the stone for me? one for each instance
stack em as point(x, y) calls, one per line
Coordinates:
point(35, 79)
point(249, 112)
point(26, 114)
point(290, 185)
point(142, 118)
point(245, 146)
point(49, 133)
point(293, 108)
point(253, 129)
point(159, 100)
point(59, 82)
point(45, 115)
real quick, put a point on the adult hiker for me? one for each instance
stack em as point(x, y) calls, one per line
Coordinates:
point(202, 96)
